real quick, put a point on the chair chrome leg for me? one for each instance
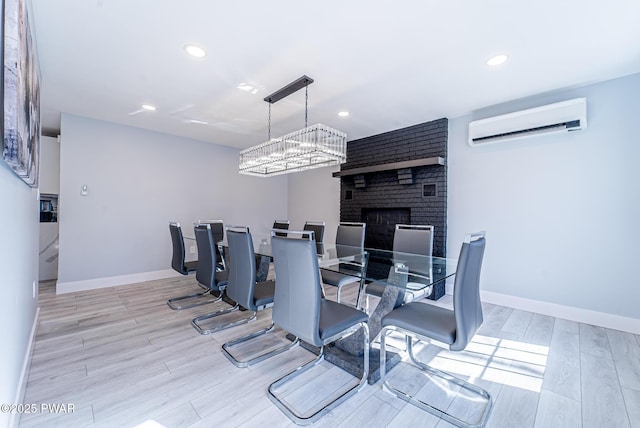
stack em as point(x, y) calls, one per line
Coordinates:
point(437, 373)
point(202, 330)
point(302, 420)
point(172, 303)
point(226, 348)
point(359, 297)
point(222, 256)
point(284, 379)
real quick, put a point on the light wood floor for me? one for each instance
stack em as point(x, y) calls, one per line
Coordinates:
point(122, 357)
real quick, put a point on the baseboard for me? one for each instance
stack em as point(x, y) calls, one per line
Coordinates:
point(571, 313)
point(586, 316)
point(14, 420)
point(112, 281)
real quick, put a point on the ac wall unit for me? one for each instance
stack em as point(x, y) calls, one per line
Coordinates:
point(564, 116)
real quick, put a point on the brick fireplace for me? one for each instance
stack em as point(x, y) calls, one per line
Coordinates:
point(397, 177)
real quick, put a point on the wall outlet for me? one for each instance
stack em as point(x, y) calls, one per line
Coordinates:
point(192, 249)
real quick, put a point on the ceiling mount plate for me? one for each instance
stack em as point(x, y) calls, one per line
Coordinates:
point(289, 89)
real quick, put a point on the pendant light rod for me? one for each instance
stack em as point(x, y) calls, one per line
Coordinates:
point(292, 87)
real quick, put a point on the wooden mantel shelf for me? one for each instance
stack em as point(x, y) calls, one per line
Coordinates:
point(390, 166)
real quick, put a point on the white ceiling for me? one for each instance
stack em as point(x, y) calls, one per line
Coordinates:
point(391, 64)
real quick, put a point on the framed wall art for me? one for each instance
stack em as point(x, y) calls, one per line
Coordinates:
point(20, 93)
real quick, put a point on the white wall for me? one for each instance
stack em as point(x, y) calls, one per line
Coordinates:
point(560, 211)
point(138, 181)
point(314, 195)
point(18, 271)
point(49, 165)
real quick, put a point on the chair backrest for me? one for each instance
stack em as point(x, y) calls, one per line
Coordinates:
point(414, 239)
point(298, 291)
point(177, 258)
point(217, 228)
point(318, 229)
point(242, 267)
point(349, 235)
point(207, 260)
point(466, 290)
point(281, 225)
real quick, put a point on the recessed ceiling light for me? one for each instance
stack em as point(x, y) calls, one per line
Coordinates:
point(201, 122)
point(195, 51)
point(343, 113)
point(497, 60)
point(247, 88)
point(148, 107)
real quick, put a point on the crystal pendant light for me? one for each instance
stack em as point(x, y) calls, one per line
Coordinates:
point(311, 147)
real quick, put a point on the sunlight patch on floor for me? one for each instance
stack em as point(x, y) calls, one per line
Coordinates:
point(150, 423)
point(503, 361)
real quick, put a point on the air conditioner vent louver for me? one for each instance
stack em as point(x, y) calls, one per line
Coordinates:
point(559, 117)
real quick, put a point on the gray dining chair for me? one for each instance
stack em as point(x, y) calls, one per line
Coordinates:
point(349, 240)
point(233, 349)
point(318, 229)
point(241, 288)
point(454, 327)
point(281, 225)
point(300, 309)
point(206, 274)
point(217, 228)
point(409, 239)
point(178, 253)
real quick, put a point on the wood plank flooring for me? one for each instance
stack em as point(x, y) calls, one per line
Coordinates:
point(123, 358)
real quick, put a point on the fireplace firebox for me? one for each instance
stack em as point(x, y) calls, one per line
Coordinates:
point(381, 224)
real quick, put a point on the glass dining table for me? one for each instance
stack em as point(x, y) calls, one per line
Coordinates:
point(400, 273)
point(405, 271)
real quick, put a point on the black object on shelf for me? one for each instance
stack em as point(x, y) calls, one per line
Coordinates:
point(48, 208)
point(46, 217)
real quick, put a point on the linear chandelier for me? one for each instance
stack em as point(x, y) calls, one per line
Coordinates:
point(311, 147)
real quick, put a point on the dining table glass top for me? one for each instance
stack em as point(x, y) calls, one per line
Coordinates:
point(376, 264)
